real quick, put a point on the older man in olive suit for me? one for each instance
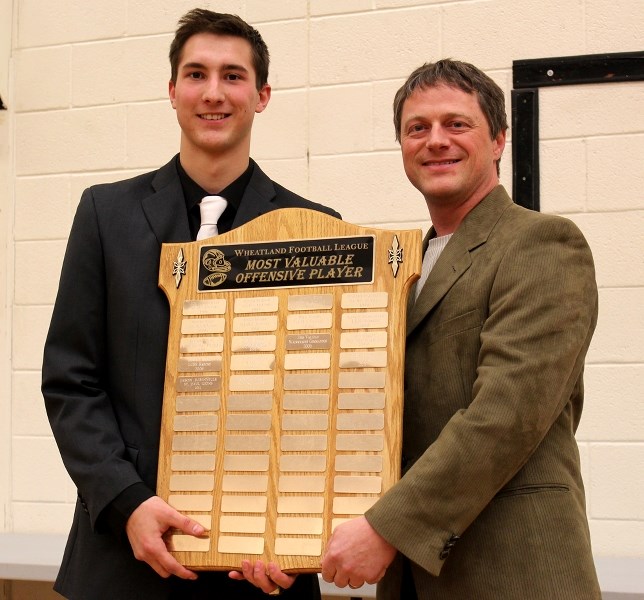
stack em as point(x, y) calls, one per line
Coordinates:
point(491, 503)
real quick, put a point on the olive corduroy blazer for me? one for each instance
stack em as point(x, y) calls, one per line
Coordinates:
point(491, 504)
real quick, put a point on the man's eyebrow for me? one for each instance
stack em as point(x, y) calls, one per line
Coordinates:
point(450, 115)
point(234, 67)
point(192, 65)
point(457, 115)
point(229, 67)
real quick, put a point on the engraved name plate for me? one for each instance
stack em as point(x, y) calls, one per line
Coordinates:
point(353, 505)
point(204, 307)
point(360, 421)
point(238, 402)
point(194, 345)
point(309, 422)
point(310, 302)
point(299, 525)
point(228, 524)
point(298, 462)
point(252, 362)
point(261, 304)
point(248, 422)
point(308, 341)
point(196, 423)
point(363, 339)
point(244, 504)
point(363, 360)
point(301, 483)
point(209, 325)
point(191, 502)
point(306, 402)
point(370, 379)
point(199, 384)
point(251, 383)
point(298, 546)
point(245, 483)
point(194, 443)
point(365, 401)
point(254, 343)
point(240, 545)
point(360, 442)
point(365, 300)
point(198, 364)
point(192, 483)
point(365, 320)
point(303, 443)
point(357, 484)
point(188, 543)
point(193, 462)
point(245, 462)
point(209, 403)
point(360, 462)
point(313, 381)
point(309, 321)
point(247, 443)
point(254, 323)
point(300, 504)
point(310, 360)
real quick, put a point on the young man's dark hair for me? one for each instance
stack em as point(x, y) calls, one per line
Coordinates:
point(463, 76)
point(200, 20)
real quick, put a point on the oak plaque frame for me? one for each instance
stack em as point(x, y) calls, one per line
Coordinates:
point(282, 411)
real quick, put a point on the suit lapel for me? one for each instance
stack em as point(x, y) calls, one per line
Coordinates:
point(456, 259)
point(257, 198)
point(165, 209)
point(451, 265)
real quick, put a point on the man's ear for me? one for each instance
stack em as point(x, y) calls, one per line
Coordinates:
point(499, 144)
point(264, 97)
point(171, 92)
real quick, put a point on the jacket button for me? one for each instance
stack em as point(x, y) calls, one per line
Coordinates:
point(447, 548)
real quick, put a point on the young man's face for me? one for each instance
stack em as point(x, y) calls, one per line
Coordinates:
point(215, 95)
point(447, 150)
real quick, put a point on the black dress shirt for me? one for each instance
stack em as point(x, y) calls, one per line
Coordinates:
point(193, 194)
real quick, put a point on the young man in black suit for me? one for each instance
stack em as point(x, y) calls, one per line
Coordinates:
point(104, 359)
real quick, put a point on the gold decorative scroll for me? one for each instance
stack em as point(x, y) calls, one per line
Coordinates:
point(282, 409)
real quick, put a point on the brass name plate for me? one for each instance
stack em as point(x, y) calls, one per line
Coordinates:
point(283, 381)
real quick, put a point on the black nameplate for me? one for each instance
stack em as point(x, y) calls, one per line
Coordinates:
point(290, 263)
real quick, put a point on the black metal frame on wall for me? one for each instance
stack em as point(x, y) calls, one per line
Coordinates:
point(530, 75)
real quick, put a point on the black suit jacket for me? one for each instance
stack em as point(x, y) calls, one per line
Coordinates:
point(104, 365)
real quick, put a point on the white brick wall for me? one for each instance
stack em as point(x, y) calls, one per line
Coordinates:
point(86, 86)
point(6, 218)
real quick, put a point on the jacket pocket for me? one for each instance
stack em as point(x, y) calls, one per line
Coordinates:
point(536, 488)
point(455, 325)
point(132, 454)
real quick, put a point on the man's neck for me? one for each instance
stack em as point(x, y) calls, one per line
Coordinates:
point(447, 217)
point(213, 173)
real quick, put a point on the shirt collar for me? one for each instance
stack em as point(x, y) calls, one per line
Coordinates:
point(194, 193)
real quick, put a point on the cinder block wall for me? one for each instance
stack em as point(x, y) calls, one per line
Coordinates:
point(86, 88)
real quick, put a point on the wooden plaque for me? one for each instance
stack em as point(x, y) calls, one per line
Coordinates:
point(282, 409)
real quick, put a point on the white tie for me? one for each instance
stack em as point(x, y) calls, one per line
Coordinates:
point(211, 208)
